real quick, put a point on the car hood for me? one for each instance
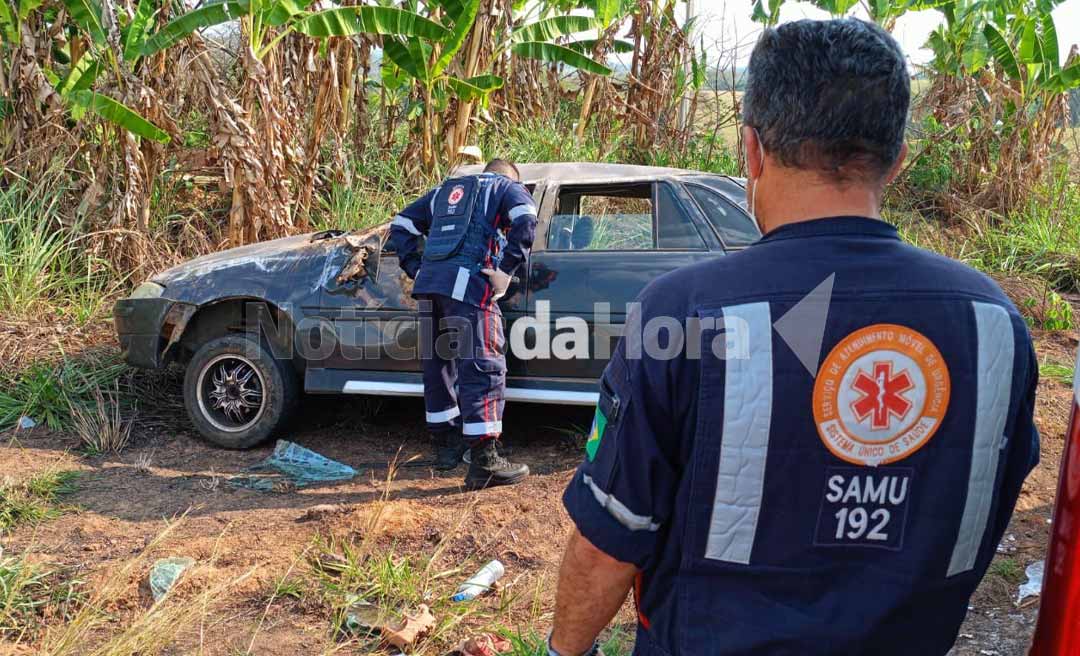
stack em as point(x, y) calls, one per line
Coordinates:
point(276, 256)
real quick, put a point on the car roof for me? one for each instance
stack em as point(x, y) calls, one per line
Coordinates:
point(585, 172)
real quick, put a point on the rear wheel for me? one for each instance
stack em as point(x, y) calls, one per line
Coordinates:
point(236, 393)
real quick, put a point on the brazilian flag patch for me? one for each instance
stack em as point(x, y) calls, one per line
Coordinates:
point(607, 410)
point(599, 423)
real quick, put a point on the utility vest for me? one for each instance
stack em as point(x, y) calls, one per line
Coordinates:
point(461, 235)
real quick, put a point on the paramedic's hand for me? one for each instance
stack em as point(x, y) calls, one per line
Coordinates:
point(500, 281)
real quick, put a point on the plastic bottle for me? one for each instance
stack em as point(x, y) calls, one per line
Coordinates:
point(480, 582)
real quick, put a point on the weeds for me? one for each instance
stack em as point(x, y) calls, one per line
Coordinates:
point(101, 427)
point(1008, 569)
point(44, 264)
point(30, 593)
point(48, 392)
point(1061, 373)
point(34, 499)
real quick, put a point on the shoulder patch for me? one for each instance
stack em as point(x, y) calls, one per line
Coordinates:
point(880, 395)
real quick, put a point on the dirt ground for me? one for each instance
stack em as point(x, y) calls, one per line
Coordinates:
point(169, 475)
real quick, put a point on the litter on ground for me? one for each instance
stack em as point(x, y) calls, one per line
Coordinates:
point(483, 645)
point(165, 573)
point(480, 582)
point(26, 423)
point(411, 628)
point(1033, 586)
point(292, 464)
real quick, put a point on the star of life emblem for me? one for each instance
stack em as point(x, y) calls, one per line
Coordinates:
point(880, 395)
point(456, 194)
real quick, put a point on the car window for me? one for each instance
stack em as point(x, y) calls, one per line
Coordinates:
point(603, 219)
point(734, 227)
point(674, 228)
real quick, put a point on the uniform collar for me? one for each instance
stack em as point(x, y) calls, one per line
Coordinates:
point(835, 225)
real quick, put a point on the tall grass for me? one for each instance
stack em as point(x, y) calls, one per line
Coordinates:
point(47, 391)
point(43, 265)
point(1041, 239)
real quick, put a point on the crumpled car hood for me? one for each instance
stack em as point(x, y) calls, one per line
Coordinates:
point(267, 257)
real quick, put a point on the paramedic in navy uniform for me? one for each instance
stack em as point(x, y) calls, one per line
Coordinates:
point(479, 230)
point(833, 472)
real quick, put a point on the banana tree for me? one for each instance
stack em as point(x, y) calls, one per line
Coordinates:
point(999, 59)
point(87, 56)
point(441, 76)
point(609, 17)
point(263, 149)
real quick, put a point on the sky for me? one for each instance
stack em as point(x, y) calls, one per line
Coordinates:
point(728, 22)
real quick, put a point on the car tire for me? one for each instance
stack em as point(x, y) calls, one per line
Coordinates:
point(236, 393)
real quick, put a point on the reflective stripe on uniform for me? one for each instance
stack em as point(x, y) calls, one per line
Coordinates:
point(444, 416)
point(620, 512)
point(748, 392)
point(406, 223)
point(460, 284)
point(434, 195)
point(522, 210)
point(994, 384)
point(482, 428)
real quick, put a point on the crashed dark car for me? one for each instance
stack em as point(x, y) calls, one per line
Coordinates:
point(331, 313)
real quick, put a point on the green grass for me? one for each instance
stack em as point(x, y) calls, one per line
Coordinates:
point(1008, 569)
point(30, 593)
point(44, 262)
point(1040, 239)
point(35, 499)
point(47, 391)
point(1062, 373)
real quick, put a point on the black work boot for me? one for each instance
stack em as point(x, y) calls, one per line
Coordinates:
point(449, 448)
point(488, 469)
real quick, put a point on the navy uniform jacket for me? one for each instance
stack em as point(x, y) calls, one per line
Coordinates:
point(502, 203)
point(842, 502)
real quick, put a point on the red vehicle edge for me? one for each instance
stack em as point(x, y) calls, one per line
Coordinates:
point(1058, 630)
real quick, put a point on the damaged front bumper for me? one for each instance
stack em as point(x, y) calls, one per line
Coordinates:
point(148, 327)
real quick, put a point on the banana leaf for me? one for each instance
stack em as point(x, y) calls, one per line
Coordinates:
point(118, 113)
point(87, 15)
point(346, 21)
point(1002, 52)
point(463, 22)
point(400, 56)
point(137, 30)
point(283, 10)
point(554, 27)
point(80, 77)
point(8, 24)
point(607, 11)
point(26, 7)
point(475, 87)
point(550, 52)
point(586, 46)
point(182, 26)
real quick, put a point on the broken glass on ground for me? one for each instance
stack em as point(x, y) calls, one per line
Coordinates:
point(165, 573)
point(292, 465)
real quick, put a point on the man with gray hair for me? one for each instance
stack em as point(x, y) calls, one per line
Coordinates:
point(830, 469)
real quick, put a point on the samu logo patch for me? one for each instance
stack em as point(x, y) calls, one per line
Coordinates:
point(456, 194)
point(880, 395)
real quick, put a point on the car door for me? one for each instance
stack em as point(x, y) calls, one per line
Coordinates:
point(597, 247)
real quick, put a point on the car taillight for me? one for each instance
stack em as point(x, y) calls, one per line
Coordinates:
point(1058, 630)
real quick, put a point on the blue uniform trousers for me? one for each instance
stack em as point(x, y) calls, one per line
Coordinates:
point(464, 360)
